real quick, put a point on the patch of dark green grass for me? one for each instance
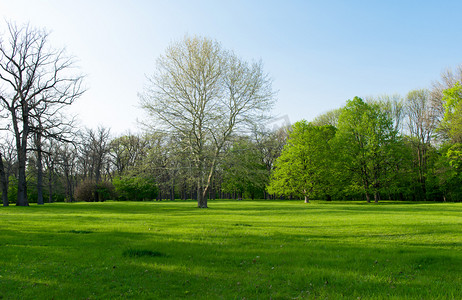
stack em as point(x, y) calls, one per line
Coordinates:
point(141, 253)
point(243, 225)
point(78, 231)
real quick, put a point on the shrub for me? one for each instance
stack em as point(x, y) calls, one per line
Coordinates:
point(91, 191)
point(135, 188)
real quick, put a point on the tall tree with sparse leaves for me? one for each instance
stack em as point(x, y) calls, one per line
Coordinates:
point(202, 94)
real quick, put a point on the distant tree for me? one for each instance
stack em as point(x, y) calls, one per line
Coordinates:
point(126, 152)
point(328, 118)
point(202, 94)
point(451, 123)
point(67, 162)
point(94, 152)
point(32, 76)
point(422, 121)
point(303, 167)
point(394, 107)
point(244, 170)
point(448, 79)
point(6, 167)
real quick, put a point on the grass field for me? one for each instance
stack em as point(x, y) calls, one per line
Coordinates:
point(233, 250)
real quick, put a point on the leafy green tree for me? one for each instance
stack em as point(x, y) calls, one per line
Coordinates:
point(365, 142)
point(451, 124)
point(303, 167)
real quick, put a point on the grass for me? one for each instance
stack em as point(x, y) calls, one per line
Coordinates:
point(233, 250)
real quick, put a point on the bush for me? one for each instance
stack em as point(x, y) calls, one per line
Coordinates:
point(91, 191)
point(135, 188)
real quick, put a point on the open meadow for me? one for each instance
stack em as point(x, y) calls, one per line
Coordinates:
point(233, 250)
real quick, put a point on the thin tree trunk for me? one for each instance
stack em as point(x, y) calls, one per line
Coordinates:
point(50, 185)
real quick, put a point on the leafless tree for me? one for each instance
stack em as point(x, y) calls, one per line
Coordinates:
point(33, 76)
point(94, 153)
point(126, 152)
point(203, 94)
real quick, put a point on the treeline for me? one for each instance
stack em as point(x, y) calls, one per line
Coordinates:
point(378, 148)
point(148, 166)
point(383, 148)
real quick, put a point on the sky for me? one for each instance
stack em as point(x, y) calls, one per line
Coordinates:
point(319, 54)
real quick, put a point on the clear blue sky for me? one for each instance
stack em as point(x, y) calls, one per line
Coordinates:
point(319, 53)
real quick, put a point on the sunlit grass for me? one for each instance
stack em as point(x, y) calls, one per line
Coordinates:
point(233, 250)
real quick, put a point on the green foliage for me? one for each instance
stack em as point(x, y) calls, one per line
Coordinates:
point(135, 188)
point(454, 156)
point(304, 167)
point(449, 172)
point(365, 144)
point(452, 120)
point(244, 170)
point(238, 249)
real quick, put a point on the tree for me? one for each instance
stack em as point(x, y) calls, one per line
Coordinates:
point(201, 94)
point(451, 124)
point(365, 141)
point(422, 122)
point(448, 79)
point(6, 167)
point(328, 118)
point(303, 168)
point(94, 151)
point(32, 76)
point(126, 152)
point(244, 170)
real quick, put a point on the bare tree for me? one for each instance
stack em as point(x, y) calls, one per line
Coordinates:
point(33, 76)
point(126, 152)
point(94, 153)
point(203, 94)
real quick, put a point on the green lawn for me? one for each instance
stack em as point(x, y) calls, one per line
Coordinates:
point(233, 250)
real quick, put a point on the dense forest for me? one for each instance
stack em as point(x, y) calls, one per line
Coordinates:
point(209, 136)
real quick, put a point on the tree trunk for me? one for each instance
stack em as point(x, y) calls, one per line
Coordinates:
point(376, 197)
point(201, 199)
point(306, 199)
point(4, 183)
point(39, 171)
point(50, 185)
point(22, 183)
point(368, 197)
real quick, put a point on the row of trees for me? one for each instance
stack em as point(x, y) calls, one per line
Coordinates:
point(388, 147)
point(206, 136)
point(96, 167)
